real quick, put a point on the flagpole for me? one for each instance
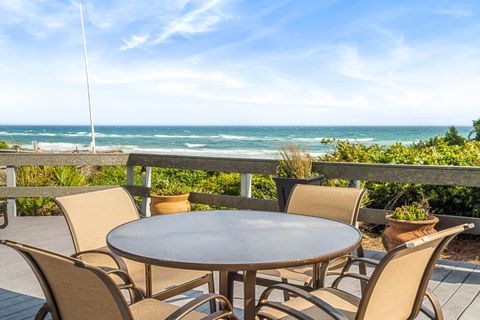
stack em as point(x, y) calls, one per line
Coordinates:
point(92, 128)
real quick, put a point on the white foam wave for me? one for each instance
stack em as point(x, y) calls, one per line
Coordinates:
point(235, 137)
point(183, 136)
point(358, 139)
point(5, 133)
point(248, 153)
point(195, 145)
point(56, 146)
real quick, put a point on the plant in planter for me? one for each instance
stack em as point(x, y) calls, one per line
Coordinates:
point(408, 222)
point(169, 197)
point(295, 167)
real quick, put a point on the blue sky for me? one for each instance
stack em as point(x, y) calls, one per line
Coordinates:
point(231, 62)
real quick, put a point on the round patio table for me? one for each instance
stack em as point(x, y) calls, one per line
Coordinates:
point(231, 241)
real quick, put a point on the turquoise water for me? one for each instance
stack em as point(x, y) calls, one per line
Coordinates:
point(251, 142)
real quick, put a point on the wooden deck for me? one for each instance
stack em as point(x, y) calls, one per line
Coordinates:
point(457, 285)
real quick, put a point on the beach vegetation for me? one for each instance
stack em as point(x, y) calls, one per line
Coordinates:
point(295, 163)
point(453, 138)
point(475, 133)
point(4, 145)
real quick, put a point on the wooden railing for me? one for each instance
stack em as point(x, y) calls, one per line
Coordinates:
point(354, 172)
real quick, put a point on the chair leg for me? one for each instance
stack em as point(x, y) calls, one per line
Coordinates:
point(362, 268)
point(286, 295)
point(211, 289)
point(42, 313)
point(437, 308)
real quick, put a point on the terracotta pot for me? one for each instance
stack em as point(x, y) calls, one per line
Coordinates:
point(398, 232)
point(169, 204)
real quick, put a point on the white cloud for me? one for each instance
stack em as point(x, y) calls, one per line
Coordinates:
point(133, 42)
point(200, 20)
point(183, 21)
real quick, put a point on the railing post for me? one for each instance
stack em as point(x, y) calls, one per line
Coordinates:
point(11, 182)
point(246, 185)
point(146, 182)
point(130, 181)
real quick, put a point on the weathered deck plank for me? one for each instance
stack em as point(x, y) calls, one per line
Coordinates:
point(457, 285)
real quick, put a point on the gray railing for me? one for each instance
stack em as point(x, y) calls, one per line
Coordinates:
point(354, 172)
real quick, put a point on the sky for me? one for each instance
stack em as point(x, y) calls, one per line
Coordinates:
point(252, 62)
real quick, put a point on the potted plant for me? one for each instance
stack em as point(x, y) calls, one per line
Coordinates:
point(169, 197)
point(295, 167)
point(408, 222)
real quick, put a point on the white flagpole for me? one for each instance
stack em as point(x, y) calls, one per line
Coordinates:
point(92, 128)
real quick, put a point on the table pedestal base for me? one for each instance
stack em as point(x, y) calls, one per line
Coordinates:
point(249, 284)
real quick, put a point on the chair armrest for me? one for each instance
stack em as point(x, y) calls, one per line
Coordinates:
point(361, 277)
point(326, 307)
point(227, 309)
point(354, 259)
point(104, 251)
point(136, 294)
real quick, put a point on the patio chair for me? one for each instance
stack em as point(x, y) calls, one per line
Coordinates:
point(341, 204)
point(395, 290)
point(90, 216)
point(76, 290)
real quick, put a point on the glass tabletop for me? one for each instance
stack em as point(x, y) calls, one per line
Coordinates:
point(233, 240)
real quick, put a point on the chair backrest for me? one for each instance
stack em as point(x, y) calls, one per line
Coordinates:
point(397, 286)
point(74, 290)
point(341, 204)
point(90, 216)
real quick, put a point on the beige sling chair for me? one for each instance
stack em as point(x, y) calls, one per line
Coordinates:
point(90, 216)
point(75, 290)
point(395, 290)
point(341, 204)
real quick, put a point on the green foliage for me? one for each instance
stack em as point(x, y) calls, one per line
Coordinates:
point(36, 207)
point(263, 187)
point(109, 176)
point(222, 183)
point(453, 138)
point(456, 200)
point(169, 188)
point(68, 176)
point(294, 163)
point(417, 211)
point(4, 145)
point(475, 133)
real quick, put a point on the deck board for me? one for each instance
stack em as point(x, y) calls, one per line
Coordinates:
point(457, 285)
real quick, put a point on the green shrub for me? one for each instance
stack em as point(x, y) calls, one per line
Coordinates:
point(4, 145)
point(417, 211)
point(68, 176)
point(449, 200)
point(37, 207)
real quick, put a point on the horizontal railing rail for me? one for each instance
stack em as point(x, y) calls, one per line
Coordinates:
point(418, 174)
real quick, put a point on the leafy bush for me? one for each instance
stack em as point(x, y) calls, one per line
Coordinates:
point(475, 133)
point(68, 176)
point(455, 200)
point(4, 145)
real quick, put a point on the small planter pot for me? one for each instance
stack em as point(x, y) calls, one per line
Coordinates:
point(169, 204)
point(285, 186)
point(398, 232)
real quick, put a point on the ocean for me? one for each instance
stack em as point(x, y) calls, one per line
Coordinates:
point(217, 141)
